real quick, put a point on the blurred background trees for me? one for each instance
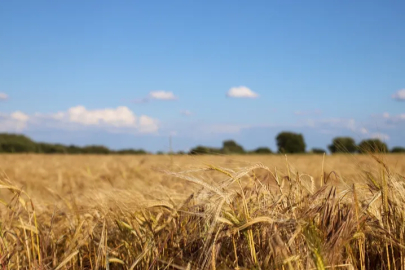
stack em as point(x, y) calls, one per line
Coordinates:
point(287, 142)
point(398, 150)
point(343, 145)
point(262, 150)
point(231, 147)
point(318, 151)
point(373, 146)
point(15, 143)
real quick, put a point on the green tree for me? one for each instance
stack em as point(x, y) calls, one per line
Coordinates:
point(398, 149)
point(262, 150)
point(318, 151)
point(231, 147)
point(131, 152)
point(73, 149)
point(343, 145)
point(201, 150)
point(289, 142)
point(48, 148)
point(373, 146)
point(96, 149)
point(15, 143)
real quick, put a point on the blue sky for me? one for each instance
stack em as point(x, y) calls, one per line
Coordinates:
point(129, 74)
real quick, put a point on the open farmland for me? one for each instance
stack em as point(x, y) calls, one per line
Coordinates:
point(137, 212)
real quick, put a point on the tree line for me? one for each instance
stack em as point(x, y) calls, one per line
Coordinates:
point(287, 142)
point(16, 143)
point(292, 143)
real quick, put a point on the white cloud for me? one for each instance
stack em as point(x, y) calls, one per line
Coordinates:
point(58, 115)
point(49, 116)
point(363, 131)
point(14, 122)
point(392, 118)
point(381, 136)
point(147, 124)
point(399, 95)
point(186, 112)
point(336, 125)
point(164, 95)
point(3, 96)
point(241, 92)
point(19, 116)
point(374, 135)
point(120, 119)
point(159, 95)
point(349, 124)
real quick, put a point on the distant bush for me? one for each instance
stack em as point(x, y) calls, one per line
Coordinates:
point(318, 151)
point(16, 143)
point(228, 147)
point(96, 149)
point(48, 148)
point(201, 150)
point(289, 142)
point(373, 146)
point(130, 152)
point(13, 143)
point(231, 147)
point(73, 149)
point(262, 150)
point(398, 150)
point(343, 145)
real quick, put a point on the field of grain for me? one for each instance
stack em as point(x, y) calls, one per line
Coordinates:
point(202, 212)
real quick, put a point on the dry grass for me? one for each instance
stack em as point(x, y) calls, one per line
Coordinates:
point(237, 212)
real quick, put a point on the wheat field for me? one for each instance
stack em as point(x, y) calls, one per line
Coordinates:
point(202, 212)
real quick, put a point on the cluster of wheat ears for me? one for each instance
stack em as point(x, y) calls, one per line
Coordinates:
point(245, 221)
